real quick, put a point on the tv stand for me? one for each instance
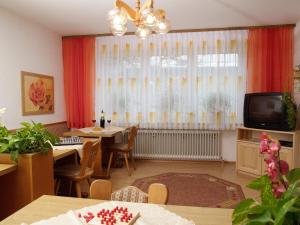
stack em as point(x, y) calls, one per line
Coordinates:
point(249, 159)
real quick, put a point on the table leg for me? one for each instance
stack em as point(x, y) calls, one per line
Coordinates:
point(99, 172)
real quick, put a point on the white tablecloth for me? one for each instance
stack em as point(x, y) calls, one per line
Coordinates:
point(150, 215)
point(69, 147)
point(107, 130)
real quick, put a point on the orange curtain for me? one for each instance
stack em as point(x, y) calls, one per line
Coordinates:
point(270, 60)
point(79, 80)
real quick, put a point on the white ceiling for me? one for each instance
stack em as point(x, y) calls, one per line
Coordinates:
point(78, 17)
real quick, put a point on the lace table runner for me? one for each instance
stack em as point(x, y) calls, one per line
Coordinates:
point(150, 215)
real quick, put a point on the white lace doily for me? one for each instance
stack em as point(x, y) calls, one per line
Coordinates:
point(150, 215)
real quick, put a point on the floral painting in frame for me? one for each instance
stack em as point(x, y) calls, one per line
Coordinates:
point(37, 93)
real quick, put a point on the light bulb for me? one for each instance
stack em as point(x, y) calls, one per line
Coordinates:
point(118, 29)
point(148, 17)
point(117, 16)
point(162, 26)
point(143, 32)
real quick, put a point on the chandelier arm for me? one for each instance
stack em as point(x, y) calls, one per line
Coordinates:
point(138, 5)
point(131, 13)
point(147, 4)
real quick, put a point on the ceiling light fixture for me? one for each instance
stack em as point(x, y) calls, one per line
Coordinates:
point(144, 17)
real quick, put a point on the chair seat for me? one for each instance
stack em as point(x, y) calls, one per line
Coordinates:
point(72, 172)
point(119, 147)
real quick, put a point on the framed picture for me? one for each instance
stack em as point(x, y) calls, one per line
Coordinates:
point(37, 93)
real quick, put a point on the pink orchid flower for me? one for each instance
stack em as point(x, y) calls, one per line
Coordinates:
point(274, 147)
point(264, 136)
point(272, 168)
point(264, 145)
point(278, 189)
point(284, 167)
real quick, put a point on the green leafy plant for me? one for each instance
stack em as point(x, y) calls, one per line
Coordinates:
point(279, 192)
point(28, 139)
point(291, 110)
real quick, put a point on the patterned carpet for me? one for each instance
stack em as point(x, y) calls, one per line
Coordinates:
point(191, 189)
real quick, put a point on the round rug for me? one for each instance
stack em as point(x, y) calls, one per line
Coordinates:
point(201, 190)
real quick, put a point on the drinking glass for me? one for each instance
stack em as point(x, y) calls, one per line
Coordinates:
point(108, 122)
point(94, 122)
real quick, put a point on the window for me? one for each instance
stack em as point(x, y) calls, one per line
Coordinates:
point(184, 80)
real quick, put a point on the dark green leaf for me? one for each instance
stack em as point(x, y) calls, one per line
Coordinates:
point(293, 190)
point(267, 196)
point(241, 211)
point(259, 183)
point(14, 155)
point(259, 209)
point(260, 219)
point(283, 211)
point(293, 175)
point(291, 110)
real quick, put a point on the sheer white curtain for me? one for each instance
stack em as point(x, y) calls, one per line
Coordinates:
point(180, 80)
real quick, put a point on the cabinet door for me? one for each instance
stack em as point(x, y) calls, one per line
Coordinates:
point(287, 155)
point(248, 158)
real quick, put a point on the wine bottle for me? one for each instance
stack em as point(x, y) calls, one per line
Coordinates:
point(102, 120)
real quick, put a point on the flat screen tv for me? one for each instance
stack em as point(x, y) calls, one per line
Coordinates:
point(265, 111)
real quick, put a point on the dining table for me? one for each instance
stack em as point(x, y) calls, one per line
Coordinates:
point(108, 136)
point(51, 206)
point(64, 152)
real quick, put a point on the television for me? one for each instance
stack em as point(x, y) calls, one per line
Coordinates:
point(265, 111)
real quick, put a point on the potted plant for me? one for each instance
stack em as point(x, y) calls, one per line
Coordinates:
point(279, 188)
point(30, 148)
point(31, 138)
point(291, 110)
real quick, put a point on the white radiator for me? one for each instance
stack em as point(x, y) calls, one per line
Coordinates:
point(178, 144)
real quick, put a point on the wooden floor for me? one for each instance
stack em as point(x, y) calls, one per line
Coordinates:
point(145, 168)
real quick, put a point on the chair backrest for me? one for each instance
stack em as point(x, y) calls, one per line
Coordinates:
point(101, 189)
point(89, 152)
point(157, 193)
point(132, 136)
point(130, 194)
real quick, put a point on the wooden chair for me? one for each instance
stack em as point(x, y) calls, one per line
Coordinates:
point(157, 193)
point(126, 149)
point(84, 171)
point(101, 189)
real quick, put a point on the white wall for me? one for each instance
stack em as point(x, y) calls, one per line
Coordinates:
point(228, 145)
point(29, 47)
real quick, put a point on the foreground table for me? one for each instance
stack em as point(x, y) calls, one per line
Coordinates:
point(49, 206)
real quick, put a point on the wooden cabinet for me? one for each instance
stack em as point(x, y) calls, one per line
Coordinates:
point(249, 159)
point(32, 179)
